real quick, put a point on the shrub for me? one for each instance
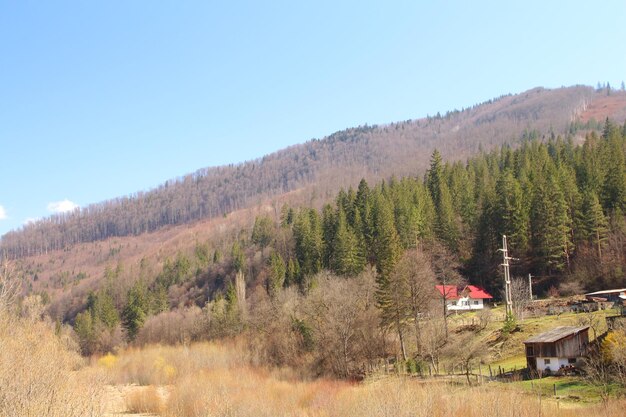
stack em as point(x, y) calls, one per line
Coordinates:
point(42, 374)
point(144, 400)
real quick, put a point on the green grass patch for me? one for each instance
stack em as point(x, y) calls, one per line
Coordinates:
point(509, 364)
point(573, 389)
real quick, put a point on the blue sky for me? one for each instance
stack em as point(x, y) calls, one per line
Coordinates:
point(103, 99)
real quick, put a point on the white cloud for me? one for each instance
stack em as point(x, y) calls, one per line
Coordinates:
point(62, 206)
point(3, 213)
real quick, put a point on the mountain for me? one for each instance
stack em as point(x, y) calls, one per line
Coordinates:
point(321, 167)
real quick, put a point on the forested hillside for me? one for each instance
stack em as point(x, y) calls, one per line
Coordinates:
point(318, 166)
point(562, 207)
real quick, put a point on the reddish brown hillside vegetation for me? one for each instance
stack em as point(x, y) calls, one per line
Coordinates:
point(612, 106)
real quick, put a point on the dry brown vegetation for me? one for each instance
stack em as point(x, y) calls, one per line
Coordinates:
point(215, 381)
point(145, 400)
point(41, 373)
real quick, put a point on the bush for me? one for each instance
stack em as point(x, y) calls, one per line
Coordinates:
point(41, 374)
point(144, 400)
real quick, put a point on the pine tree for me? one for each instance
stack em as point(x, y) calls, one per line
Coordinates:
point(158, 300)
point(105, 310)
point(286, 216)
point(263, 231)
point(613, 190)
point(84, 328)
point(593, 225)
point(278, 272)
point(434, 178)
point(136, 310)
point(238, 257)
point(589, 170)
point(329, 225)
point(348, 255)
point(309, 241)
point(511, 217)
point(550, 225)
point(445, 223)
point(293, 275)
point(387, 246)
point(387, 251)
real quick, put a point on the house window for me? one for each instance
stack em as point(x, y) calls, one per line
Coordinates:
point(475, 302)
point(530, 351)
point(571, 360)
point(546, 361)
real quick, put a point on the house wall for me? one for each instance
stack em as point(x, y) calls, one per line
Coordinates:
point(466, 303)
point(554, 365)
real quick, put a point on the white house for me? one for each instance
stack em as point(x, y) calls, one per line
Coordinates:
point(470, 298)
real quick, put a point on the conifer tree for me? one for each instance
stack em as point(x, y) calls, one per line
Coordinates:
point(263, 231)
point(238, 257)
point(348, 255)
point(593, 225)
point(105, 311)
point(551, 226)
point(511, 216)
point(434, 178)
point(293, 275)
point(445, 222)
point(613, 191)
point(329, 225)
point(278, 271)
point(387, 246)
point(136, 310)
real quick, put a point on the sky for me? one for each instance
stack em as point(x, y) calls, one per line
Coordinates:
point(102, 99)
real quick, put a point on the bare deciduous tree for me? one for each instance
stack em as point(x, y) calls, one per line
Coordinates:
point(520, 294)
point(415, 282)
point(9, 285)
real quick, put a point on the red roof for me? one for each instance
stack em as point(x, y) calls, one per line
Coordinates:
point(450, 291)
point(476, 292)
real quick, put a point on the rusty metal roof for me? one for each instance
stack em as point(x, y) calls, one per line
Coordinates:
point(555, 334)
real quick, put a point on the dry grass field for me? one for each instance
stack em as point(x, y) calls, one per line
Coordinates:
point(214, 380)
point(41, 374)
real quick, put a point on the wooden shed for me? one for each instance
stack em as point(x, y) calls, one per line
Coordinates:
point(558, 348)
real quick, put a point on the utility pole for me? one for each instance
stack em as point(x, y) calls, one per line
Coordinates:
point(507, 278)
point(530, 286)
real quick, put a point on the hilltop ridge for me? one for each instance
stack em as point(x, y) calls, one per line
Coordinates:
point(321, 166)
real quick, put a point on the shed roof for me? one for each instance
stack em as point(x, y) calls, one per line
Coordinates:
point(555, 334)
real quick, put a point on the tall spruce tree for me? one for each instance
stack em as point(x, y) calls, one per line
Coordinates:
point(136, 309)
point(510, 214)
point(348, 258)
point(593, 225)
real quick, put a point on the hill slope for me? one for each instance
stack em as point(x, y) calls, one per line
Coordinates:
point(319, 166)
